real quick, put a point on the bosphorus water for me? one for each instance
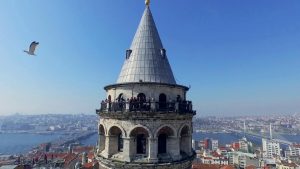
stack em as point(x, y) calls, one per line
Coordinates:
point(18, 143)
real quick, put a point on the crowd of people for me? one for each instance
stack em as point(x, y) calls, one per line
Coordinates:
point(143, 104)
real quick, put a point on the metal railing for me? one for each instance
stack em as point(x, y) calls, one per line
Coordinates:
point(147, 106)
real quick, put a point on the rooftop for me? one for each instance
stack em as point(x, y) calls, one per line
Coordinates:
point(146, 60)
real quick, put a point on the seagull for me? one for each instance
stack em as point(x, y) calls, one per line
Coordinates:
point(32, 48)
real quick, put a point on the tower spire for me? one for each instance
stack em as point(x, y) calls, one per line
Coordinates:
point(147, 2)
point(146, 60)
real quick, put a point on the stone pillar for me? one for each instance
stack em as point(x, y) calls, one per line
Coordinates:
point(101, 142)
point(152, 155)
point(127, 106)
point(111, 146)
point(106, 152)
point(127, 149)
point(186, 144)
point(189, 145)
point(173, 147)
point(153, 106)
point(108, 108)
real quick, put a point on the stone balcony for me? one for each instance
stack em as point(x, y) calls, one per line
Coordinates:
point(146, 108)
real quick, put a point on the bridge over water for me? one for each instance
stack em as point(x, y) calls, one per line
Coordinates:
point(252, 134)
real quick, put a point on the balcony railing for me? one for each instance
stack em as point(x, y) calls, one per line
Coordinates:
point(148, 106)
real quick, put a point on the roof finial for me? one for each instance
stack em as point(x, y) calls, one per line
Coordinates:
point(147, 2)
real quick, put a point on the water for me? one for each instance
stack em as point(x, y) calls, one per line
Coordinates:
point(90, 141)
point(18, 143)
point(227, 138)
point(21, 143)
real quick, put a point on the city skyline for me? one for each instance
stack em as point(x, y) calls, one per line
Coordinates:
point(239, 57)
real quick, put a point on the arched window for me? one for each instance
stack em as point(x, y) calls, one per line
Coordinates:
point(162, 101)
point(120, 98)
point(101, 142)
point(141, 144)
point(141, 97)
point(116, 139)
point(109, 98)
point(163, 139)
point(120, 143)
point(140, 136)
point(185, 141)
point(162, 144)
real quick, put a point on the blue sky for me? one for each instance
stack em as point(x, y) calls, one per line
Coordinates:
point(240, 57)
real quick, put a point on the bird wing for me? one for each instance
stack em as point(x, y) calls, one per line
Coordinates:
point(33, 46)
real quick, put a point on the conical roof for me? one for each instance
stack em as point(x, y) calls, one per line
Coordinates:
point(146, 60)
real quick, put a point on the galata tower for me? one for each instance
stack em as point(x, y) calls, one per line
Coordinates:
point(145, 119)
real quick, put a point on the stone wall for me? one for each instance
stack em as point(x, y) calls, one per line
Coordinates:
point(186, 164)
point(150, 90)
point(152, 126)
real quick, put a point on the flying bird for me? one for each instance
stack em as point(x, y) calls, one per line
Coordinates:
point(32, 48)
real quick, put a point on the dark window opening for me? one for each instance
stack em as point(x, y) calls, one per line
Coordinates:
point(120, 143)
point(141, 144)
point(162, 144)
point(128, 53)
point(141, 97)
point(162, 101)
point(163, 52)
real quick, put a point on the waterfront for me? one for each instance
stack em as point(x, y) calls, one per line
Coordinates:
point(18, 143)
point(227, 138)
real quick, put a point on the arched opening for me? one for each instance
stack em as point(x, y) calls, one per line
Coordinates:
point(120, 142)
point(162, 101)
point(141, 144)
point(140, 136)
point(120, 98)
point(163, 136)
point(162, 144)
point(109, 98)
point(116, 140)
point(185, 141)
point(120, 105)
point(141, 97)
point(101, 142)
point(109, 102)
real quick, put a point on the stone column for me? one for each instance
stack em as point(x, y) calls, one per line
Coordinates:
point(127, 149)
point(127, 106)
point(173, 147)
point(110, 146)
point(186, 144)
point(101, 142)
point(152, 155)
point(190, 152)
point(108, 108)
point(153, 106)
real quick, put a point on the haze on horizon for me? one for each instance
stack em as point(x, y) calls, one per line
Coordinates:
point(240, 57)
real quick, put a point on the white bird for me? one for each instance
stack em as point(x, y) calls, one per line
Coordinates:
point(32, 48)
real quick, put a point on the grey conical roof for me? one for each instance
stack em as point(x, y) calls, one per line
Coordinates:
point(146, 63)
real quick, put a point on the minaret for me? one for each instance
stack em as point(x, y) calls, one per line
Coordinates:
point(244, 128)
point(271, 136)
point(145, 119)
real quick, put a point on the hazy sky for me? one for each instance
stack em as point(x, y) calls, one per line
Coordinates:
point(240, 57)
